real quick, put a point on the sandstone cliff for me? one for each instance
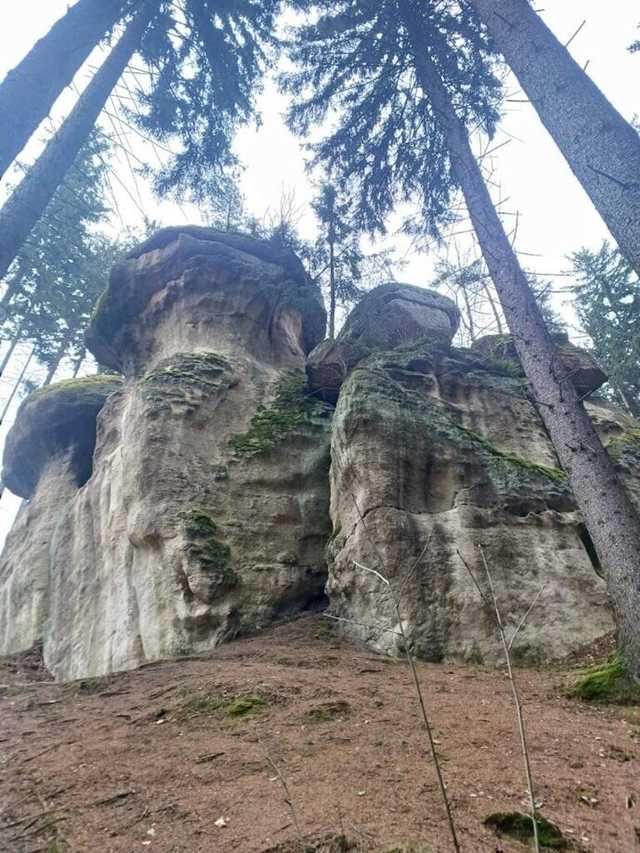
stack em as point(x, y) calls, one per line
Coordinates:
point(192, 501)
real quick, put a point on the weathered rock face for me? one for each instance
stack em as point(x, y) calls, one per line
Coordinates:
point(438, 449)
point(207, 512)
point(47, 458)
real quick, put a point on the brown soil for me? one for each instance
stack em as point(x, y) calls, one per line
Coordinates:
point(156, 760)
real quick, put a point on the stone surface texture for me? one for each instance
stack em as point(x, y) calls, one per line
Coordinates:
point(431, 450)
point(206, 514)
point(47, 457)
point(218, 488)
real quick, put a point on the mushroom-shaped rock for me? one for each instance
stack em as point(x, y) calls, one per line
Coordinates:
point(191, 288)
point(53, 421)
point(580, 365)
point(390, 316)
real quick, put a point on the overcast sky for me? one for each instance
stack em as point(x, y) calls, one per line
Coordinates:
point(555, 216)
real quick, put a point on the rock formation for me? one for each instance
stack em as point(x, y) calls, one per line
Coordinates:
point(435, 452)
point(48, 457)
point(205, 510)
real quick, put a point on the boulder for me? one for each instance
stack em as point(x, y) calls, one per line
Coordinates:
point(391, 315)
point(579, 364)
point(51, 422)
point(234, 289)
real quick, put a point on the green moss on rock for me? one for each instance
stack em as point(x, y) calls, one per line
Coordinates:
point(204, 548)
point(291, 409)
point(52, 421)
point(381, 383)
point(626, 442)
point(608, 682)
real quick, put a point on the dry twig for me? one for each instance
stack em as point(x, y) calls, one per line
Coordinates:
point(506, 645)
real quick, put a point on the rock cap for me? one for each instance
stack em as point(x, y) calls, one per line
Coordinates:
point(168, 254)
point(52, 421)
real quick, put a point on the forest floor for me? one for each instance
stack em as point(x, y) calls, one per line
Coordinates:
point(194, 755)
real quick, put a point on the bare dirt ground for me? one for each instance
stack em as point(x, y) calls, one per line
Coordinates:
point(186, 755)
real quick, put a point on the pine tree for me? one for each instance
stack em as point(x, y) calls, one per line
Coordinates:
point(608, 303)
point(207, 59)
point(404, 99)
point(337, 250)
point(62, 269)
point(602, 149)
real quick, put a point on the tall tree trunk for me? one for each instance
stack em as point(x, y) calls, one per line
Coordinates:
point(29, 91)
point(332, 290)
point(16, 386)
point(57, 358)
point(78, 362)
point(27, 203)
point(608, 513)
point(602, 148)
point(14, 343)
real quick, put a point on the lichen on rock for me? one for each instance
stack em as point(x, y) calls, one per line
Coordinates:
point(179, 384)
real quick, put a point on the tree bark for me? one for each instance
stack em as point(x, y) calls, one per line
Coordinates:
point(27, 203)
point(332, 291)
point(29, 91)
point(602, 149)
point(77, 364)
point(612, 522)
point(16, 386)
point(14, 343)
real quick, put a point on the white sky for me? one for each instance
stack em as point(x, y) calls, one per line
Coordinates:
point(555, 216)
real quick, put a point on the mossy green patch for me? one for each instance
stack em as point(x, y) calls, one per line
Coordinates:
point(205, 548)
point(328, 711)
point(100, 383)
point(229, 707)
point(608, 682)
point(291, 409)
point(520, 826)
point(626, 442)
point(440, 423)
point(557, 475)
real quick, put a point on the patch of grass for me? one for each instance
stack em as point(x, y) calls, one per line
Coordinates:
point(209, 705)
point(519, 826)
point(607, 682)
point(241, 706)
point(328, 711)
